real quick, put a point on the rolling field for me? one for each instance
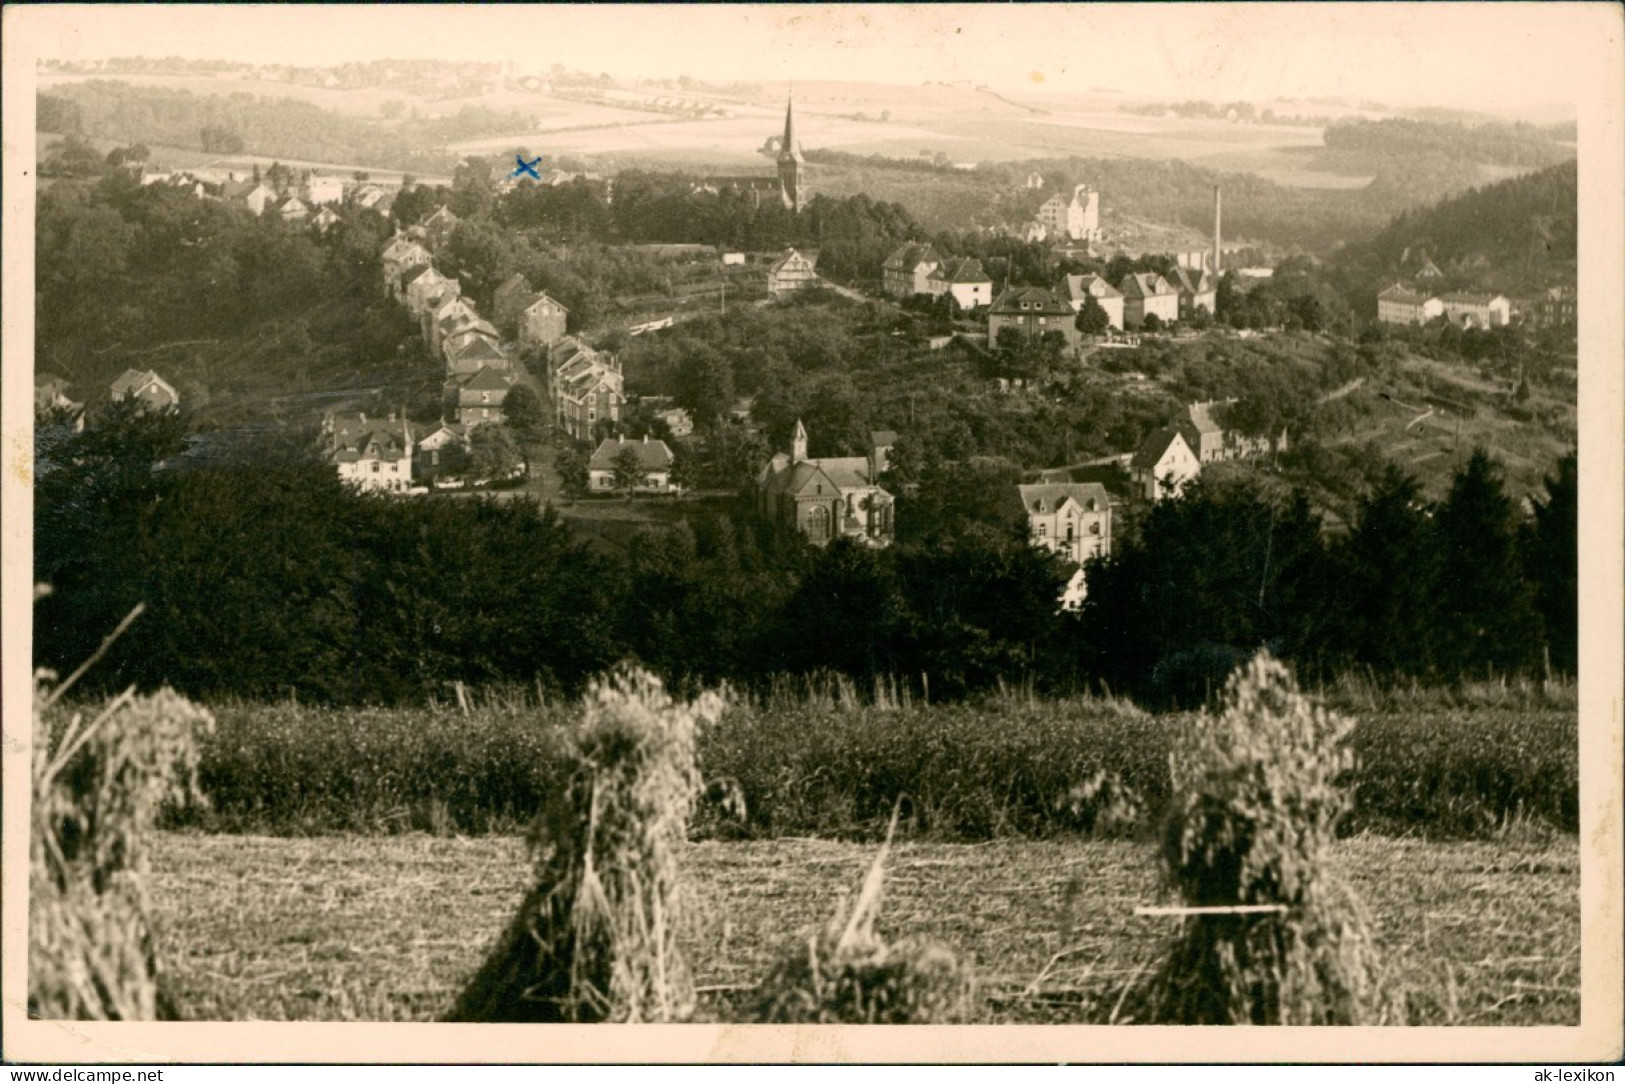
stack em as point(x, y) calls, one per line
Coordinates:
point(386, 928)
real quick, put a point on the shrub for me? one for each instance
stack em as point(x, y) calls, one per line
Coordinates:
point(1256, 807)
point(595, 938)
point(847, 974)
point(97, 789)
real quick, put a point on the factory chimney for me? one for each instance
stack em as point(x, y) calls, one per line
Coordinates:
point(1215, 229)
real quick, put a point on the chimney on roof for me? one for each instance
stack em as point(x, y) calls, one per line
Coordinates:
point(362, 415)
point(646, 438)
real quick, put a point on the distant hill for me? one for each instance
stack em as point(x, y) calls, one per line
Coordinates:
point(1515, 236)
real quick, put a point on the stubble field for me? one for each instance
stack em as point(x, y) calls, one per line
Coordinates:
point(387, 928)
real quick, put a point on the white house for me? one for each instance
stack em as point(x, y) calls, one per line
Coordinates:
point(654, 461)
point(1148, 294)
point(1163, 463)
point(149, 389)
point(964, 280)
point(1075, 289)
point(1477, 310)
point(373, 456)
point(1072, 519)
point(1397, 305)
point(319, 190)
point(1076, 216)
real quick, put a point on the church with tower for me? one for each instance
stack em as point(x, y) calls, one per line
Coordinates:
point(792, 166)
point(789, 184)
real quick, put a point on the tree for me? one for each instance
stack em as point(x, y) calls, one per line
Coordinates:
point(522, 411)
point(571, 465)
point(1093, 318)
point(1152, 322)
point(629, 472)
point(1389, 567)
point(1487, 620)
point(1551, 548)
point(493, 455)
point(705, 385)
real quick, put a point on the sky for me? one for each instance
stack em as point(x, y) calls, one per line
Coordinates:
point(1455, 54)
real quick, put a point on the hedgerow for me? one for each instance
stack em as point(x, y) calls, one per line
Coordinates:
point(1008, 767)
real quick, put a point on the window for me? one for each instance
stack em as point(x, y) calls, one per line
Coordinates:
point(375, 466)
point(1094, 528)
point(1043, 530)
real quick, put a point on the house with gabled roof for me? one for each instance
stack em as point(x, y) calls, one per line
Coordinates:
point(443, 451)
point(792, 272)
point(400, 256)
point(254, 195)
point(476, 398)
point(422, 283)
point(292, 209)
point(1075, 289)
point(1071, 519)
point(1164, 462)
point(437, 227)
point(542, 323)
point(1213, 442)
point(473, 349)
point(825, 499)
point(373, 455)
point(1146, 293)
point(149, 389)
point(963, 280)
point(585, 394)
point(452, 316)
point(906, 270)
point(654, 458)
point(1197, 289)
point(510, 299)
point(1035, 311)
point(324, 219)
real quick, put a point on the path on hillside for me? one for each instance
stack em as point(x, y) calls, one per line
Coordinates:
point(1339, 393)
point(844, 291)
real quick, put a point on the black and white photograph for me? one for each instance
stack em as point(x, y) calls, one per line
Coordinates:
point(1047, 519)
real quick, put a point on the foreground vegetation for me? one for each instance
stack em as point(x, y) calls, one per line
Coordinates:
point(390, 929)
point(1007, 768)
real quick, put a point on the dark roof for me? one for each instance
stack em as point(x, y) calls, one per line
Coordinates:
point(652, 454)
point(1192, 281)
point(1055, 494)
point(1081, 286)
point(1156, 443)
point(968, 269)
point(1145, 284)
point(910, 256)
point(1039, 300)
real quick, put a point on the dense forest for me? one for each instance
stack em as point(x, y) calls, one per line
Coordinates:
point(1517, 236)
point(129, 276)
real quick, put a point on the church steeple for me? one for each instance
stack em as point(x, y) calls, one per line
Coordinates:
point(789, 146)
point(791, 186)
point(798, 443)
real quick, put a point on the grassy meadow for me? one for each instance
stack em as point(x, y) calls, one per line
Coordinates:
point(375, 928)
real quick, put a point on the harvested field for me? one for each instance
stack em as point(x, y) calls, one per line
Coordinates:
point(387, 928)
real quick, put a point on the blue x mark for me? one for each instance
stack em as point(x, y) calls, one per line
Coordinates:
point(527, 167)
